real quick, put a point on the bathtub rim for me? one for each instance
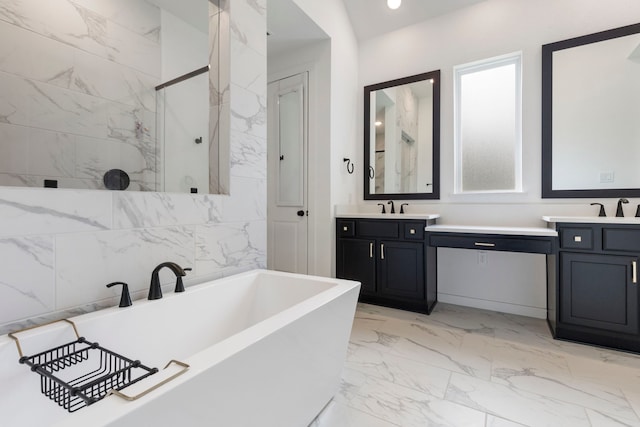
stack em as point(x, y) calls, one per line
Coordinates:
point(112, 408)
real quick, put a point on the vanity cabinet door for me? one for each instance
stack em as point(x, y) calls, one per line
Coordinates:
point(356, 260)
point(401, 269)
point(598, 291)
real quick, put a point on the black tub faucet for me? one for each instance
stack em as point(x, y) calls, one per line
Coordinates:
point(393, 209)
point(155, 292)
point(619, 211)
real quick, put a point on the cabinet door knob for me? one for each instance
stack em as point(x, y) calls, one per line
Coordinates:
point(345, 228)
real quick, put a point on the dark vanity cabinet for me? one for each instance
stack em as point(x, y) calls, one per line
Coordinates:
point(593, 285)
point(390, 259)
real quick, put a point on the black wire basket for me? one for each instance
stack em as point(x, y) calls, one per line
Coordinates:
point(81, 372)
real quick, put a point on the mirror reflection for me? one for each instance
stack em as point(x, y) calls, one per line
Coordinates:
point(78, 100)
point(402, 138)
point(591, 102)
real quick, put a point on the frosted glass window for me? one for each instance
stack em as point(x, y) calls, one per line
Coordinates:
point(488, 130)
point(290, 178)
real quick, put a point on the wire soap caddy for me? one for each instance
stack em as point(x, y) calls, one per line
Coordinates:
point(81, 372)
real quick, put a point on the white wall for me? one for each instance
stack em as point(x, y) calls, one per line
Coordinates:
point(59, 248)
point(487, 29)
point(334, 185)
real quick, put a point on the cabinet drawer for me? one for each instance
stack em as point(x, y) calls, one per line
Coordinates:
point(414, 230)
point(621, 239)
point(346, 228)
point(378, 229)
point(576, 238)
point(490, 242)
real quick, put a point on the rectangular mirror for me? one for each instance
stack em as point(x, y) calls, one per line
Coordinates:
point(590, 110)
point(78, 101)
point(402, 138)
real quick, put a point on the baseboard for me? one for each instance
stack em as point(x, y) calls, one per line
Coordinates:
point(502, 307)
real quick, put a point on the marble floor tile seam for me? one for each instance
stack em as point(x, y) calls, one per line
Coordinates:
point(517, 406)
point(402, 405)
point(586, 398)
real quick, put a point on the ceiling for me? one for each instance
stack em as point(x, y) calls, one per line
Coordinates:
point(290, 28)
point(371, 18)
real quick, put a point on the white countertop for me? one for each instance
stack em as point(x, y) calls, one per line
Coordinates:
point(481, 229)
point(388, 215)
point(593, 219)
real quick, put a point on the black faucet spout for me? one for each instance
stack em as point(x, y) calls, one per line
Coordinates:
point(393, 209)
point(619, 211)
point(155, 291)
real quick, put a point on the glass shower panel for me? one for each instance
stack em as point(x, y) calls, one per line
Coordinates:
point(290, 170)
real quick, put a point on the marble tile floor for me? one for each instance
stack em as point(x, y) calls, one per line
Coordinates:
point(467, 367)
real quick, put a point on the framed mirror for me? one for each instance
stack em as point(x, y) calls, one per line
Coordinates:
point(402, 138)
point(110, 95)
point(590, 110)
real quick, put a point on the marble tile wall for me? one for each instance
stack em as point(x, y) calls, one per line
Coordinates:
point(74, 88)
point(59, 248)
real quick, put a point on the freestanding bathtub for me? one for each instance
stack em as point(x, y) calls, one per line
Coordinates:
point(263, 349)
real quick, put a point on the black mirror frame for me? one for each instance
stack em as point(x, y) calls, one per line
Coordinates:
point(547, 115)
point(435, 194)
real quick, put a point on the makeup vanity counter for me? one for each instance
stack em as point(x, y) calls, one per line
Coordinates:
point(592, 285)
point(394, 256)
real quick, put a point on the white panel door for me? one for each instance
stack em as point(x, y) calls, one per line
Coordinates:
point(287, 175)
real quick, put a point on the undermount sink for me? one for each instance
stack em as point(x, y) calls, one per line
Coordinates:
point(395, 216)
point(593, 219)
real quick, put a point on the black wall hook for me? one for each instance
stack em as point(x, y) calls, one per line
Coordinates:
point(350, 166)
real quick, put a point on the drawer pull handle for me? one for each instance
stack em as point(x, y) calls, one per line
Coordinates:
point(634, 271)
point(381, 250)
point(486, 245)
point(577, 239)
point(371, 250)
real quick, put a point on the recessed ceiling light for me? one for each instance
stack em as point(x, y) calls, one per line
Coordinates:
point(394, 4)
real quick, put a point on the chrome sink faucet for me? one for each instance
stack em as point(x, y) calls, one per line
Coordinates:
point(155, 292)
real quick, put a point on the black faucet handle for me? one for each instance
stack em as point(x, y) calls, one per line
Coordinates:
point(179, 284)
point(402, 207)
point(125, 298)
point(638, 212)
point(383, 210)
point(602, 212)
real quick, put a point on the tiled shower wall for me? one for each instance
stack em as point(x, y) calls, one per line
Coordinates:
point(77, 93)
point(60, 247)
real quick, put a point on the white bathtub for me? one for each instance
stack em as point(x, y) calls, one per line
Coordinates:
point(264, 349)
